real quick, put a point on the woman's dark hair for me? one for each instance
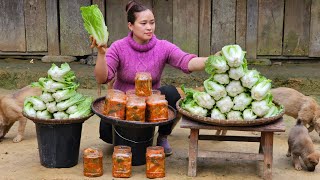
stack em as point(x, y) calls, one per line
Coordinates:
point(133, 7)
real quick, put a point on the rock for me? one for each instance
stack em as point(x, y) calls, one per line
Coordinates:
point(277, 63)
point(91, 60)
point(53, 59)
point(83, 61)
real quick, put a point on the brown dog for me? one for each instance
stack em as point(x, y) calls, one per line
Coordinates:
point(299, 106)
point(11, 107)
point(300, 145)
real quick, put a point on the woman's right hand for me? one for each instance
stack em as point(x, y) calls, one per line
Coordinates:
point(102, 49)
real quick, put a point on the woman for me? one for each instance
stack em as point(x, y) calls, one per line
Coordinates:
point(141, 51)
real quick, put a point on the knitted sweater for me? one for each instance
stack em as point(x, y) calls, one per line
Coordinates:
point(126, 57)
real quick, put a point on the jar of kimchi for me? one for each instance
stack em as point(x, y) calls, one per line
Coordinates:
point(92, 162)
point(135, 108)
point(157, 108)
point(121, 162)
point(143, 84)
point(155, 162)
point(115, 104)
point(133, 92)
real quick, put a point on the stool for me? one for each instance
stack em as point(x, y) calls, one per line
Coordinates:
point(265, 140)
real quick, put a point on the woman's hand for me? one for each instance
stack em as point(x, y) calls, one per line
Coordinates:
point(102, 49)
point(218, 53)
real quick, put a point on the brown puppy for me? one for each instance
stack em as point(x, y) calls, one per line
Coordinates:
point(299, 106)
point(300, 145)
point(11, 107)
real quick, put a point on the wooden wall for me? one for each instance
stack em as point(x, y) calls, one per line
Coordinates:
point(264, 28)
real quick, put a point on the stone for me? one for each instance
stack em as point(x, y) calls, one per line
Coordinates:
point(83, 61)
point(91, 60)
point(53, 59)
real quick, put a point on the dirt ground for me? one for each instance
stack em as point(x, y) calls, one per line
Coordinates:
point(21, 160)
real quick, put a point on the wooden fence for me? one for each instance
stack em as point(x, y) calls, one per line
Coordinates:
point(265, 28)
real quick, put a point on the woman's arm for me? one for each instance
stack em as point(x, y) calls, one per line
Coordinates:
point(100, 69)
point(197, 64)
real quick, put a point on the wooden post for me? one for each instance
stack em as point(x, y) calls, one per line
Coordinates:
point(261, 143)
point(193, 152)
point(252, 27)
point(268, 151)
point(52, 27)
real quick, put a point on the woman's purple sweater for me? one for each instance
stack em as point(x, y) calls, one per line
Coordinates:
point(126, 57)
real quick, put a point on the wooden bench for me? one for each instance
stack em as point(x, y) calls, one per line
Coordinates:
point(265, 150)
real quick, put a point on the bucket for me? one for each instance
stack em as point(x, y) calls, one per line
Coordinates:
point(137, 138)
point(59, 144)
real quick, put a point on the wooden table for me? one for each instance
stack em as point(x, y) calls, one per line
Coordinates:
point(265, 150)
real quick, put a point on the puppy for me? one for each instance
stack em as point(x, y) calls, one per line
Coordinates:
point(300, 145)
point(11, 107)
point(299, 106)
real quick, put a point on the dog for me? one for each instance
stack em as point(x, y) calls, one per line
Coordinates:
point(11, 107)
point(300, 145)
point(299, 106)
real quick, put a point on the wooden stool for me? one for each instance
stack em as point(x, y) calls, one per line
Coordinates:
point(265, 149)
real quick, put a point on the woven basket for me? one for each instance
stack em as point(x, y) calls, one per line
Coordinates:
point(57, 121)
point(229, 122)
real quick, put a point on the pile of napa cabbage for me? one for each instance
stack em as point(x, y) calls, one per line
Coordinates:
point(233, 91)
point(59, 98)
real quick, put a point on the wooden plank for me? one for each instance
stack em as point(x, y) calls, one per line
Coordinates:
point(204, 28)
point(101, 6)
point(223, 24)
point(296, 27)
point(36, 25)
point(268, 154)
point(262, 143)
point(185, 25)
point(12, 29)
point(241, 23)
point(193, 152)
point(52, 27)
point(230, 156)
point(252, 29)
point(115, 9)
point(163, 14)
point(229, 138)
point(277, 126)
point(270, 27)
point(314, 46)
point(74, 40)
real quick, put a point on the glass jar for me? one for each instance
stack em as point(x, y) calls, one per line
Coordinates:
point(155, 162)
point(157, 108)
point(133, 91)
point(92, 162)
point(136, 108)
point(121, 162)
point(115, 104)
point(143, 84)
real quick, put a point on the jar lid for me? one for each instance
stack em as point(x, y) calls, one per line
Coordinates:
point(143, 76)
point(122, 148)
